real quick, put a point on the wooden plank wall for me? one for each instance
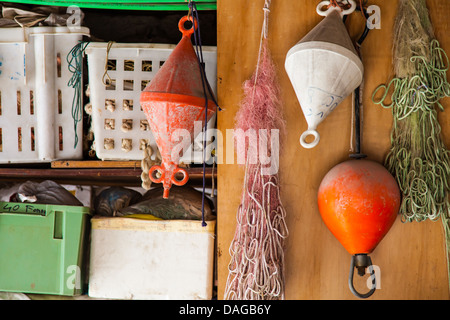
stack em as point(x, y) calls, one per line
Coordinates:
point(411, 257)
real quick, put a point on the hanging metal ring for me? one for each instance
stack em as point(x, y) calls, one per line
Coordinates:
point(361, 262)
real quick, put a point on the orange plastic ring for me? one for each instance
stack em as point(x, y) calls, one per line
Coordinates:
point(183, 30)
point(180, 182)
point(153, 169)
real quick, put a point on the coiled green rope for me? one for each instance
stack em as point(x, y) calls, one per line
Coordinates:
point(418, 158)
point(75, 64)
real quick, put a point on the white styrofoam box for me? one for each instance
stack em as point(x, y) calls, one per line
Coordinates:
point(36, 123)
point(151, 259)
point(127, 89)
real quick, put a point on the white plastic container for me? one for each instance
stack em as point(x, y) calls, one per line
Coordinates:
point(107, 121)
point(36, 123)
point(151, 259)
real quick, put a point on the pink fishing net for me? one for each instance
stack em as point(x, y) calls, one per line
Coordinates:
point(256, 269)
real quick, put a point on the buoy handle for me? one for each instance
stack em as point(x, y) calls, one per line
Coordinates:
point(310, 144)
point(153, 177)
point(183, 30)
point(181, 182)
point(331, 8)
point(361, 262)
point(173, 179)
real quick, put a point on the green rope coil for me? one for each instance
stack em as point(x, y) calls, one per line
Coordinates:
point(418, 157)
point(75, 64)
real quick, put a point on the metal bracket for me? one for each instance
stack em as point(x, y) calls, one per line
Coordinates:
point(361, 262)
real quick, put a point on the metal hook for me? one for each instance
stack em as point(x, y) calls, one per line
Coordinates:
point(361, 262)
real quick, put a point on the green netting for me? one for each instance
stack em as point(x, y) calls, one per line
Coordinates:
point(418, 157)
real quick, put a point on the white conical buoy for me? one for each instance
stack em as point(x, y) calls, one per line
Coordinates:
point(324, 68)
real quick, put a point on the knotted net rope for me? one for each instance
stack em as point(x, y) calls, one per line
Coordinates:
point(256, 269)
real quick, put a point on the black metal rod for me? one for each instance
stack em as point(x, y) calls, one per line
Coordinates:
point(357, 121)
point(357, 126)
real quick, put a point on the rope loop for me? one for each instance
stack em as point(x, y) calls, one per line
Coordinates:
point(418, 158)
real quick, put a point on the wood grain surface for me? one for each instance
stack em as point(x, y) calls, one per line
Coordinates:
point(411, 257)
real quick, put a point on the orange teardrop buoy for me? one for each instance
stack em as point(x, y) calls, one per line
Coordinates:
point(358, 202)
point(172, 102)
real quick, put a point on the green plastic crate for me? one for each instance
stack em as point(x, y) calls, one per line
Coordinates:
point(42, 248)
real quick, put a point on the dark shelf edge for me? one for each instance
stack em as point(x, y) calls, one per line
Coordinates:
point(90, 176)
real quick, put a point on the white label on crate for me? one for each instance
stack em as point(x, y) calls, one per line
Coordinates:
point(74, 280)
point(22, 208)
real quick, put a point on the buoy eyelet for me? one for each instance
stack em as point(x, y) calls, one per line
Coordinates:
point(182, 28)
point(361, 262)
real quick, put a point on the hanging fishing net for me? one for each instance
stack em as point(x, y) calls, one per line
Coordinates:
point(256, 269)
point(418, 157)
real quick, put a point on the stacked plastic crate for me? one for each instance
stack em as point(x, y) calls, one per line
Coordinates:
point(36, 102)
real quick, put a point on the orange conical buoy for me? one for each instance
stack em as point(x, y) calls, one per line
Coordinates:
point(172, 102)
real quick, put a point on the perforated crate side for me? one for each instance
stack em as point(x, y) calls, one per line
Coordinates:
point(35, 101)
point(128, 84)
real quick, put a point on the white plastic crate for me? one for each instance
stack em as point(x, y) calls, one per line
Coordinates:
point(118, 103)
point(151, 259)
point(36, 123)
